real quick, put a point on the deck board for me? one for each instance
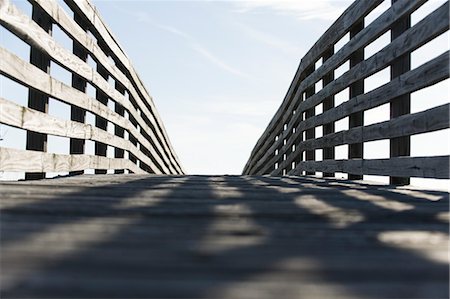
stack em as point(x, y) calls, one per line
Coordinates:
point(223, 237)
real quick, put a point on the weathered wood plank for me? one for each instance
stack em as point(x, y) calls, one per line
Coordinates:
point(400, 146)
point(430, 120)
point(426, 167)
point(196, 236)
point(22, 160)
point(36, 100)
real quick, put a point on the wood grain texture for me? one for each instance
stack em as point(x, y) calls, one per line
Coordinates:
point(424, 167)
point(146, 236)
point(24, 118)
point(34, 161)
point(21, 71)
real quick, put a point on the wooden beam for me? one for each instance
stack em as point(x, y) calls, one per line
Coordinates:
point(400, 146)
point(37, 100)
point(23, 160)
point(328, 103)
point(76, 113)
point(356, 119)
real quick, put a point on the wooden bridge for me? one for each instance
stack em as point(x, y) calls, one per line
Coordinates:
point(286, 228)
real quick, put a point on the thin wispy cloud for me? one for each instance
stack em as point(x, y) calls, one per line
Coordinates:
point(300, 9)
point(269, 39)
point(217, 61)
point(143, 17)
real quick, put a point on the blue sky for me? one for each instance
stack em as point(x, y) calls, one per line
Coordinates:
point(218, 70)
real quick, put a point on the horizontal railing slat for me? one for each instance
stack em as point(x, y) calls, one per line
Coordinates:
point(430, 120)
point(34, 161)
point(425, 167)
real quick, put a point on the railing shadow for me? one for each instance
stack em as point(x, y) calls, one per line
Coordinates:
point(235, 237)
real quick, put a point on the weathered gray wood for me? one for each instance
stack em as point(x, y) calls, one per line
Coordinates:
point(430, 27)
point(328, 103)
point(76, 113)
point(400, 146)
point(119, 131)
point(424, 167)
point(23, 72)
point(367, 35)
point(29, 119)
point(356, 150)
point(36, 100)
point(27, 30)
point(20, 160)
point(428, 74)
point(310, 133)
point(430, 120)
point(197, 237)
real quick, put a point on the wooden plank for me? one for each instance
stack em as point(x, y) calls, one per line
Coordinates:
point(119, 131)
point(36, 100)
point(23, 160)
point(428, 74)
point(21, 71)
point(76, 113)
point(310, 133)
point(29, 119)
point(368, 34)
point(427, 29)
point(356, 119)
point(400, 146)
point(31, 33)
point(425, 167)
point(328, 103)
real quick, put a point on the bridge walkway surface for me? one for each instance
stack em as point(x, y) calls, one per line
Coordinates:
point(129, 236)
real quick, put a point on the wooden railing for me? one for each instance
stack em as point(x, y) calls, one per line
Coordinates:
point(145, 142)
point(288, 144)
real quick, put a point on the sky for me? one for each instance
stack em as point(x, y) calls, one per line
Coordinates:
point(218, 70)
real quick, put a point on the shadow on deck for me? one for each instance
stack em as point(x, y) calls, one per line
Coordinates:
point(222, 237)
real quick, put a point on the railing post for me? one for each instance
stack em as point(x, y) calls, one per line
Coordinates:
point(36, 99)
point(310, 133)
point(328, 103)
point(118, 130)
point(401, 105)
point(76, 113)
point(100, 122)
point(356, 119)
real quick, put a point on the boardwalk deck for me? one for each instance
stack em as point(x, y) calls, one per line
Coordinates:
point(222, 237)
